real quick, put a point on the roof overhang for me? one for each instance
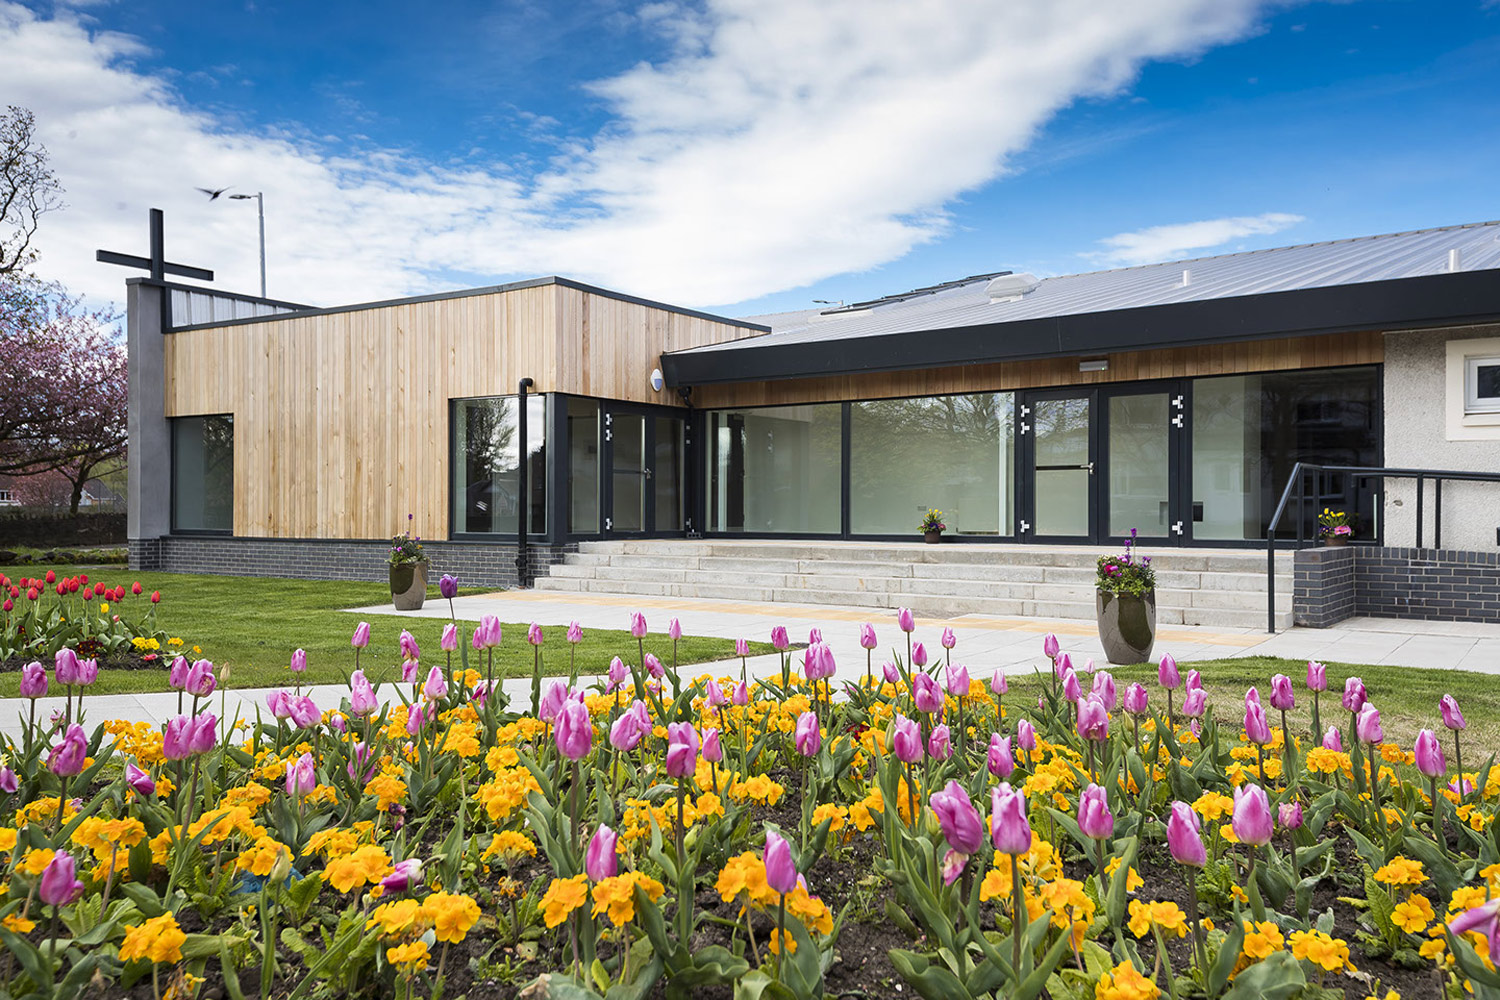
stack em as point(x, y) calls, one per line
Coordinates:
point(1438, 300)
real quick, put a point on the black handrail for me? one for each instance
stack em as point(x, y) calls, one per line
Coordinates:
point(1359, 473)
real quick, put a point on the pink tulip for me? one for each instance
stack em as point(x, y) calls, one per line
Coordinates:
point(1252, 697)
point(940, 742)
point(808, 737)
point(88, 672)
point(1104, 687)
point(919, 655)
point(1094, 817)
point(534, 634)
point(781, 872)
point(299, 661)
point(960, 822)
point(713, 695)
point(361, 637)
point(301, 777)
point(600, 861)
point(59, 885)
point(34, 681)
point(409, 648)
point(10, 784)
point(65, 665)
point(1136, 699)
point(867, 636)
point(409, 670)
point(741, 694)
point(305, 712)
point(1195, 703)
point(889, 672)
point(572, 731)
point(926, 693)
point(436, 687)
point(575, 632)
point(713, 746)
point(1367, 725)
point(404, 875)
point(1452, 717)
point(1009, 828)
point(490, 624)
point(1354, 694)
point(905, 620)
point(1071, 689)
point(818, 662)
point(906, 740)
point(139, 781)
point(449, 641)
point(618, 675)
point(1093, 720)
point(203, 734)
point(1194, 681)
point(625, 735)
point(1429, 753)
point(1167, 674)
point(1025, 736)
point(1289, 815)
point(67, 758)
point(814, 635)
point(682, 750)
point(1317, 676)
point(1050, 646)
point(1183, 839)
point(958, 680)
point(1256, 727)
point(1001, 761)
point(362, 700)
point(637, 625)
point(1333, 739)
point(780, 641)
point(1251, 820)
point(1484, 919)
point(949, 640)
point(998, 684)
point(174, 742)
point(1282, 697)
point(742, 647)
point(654, 667)
point(1063, 664)
point(200, 681)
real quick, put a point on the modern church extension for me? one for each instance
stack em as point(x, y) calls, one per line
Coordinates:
point(541, 431)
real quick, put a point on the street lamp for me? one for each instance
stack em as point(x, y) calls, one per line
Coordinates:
point(260, 206)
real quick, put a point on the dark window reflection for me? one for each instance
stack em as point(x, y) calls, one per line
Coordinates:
point(203, 473)
point(486, 494)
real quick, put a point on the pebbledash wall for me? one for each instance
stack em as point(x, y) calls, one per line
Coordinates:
point(475, 563)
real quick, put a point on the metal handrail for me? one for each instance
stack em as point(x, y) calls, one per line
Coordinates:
point(1358, 472)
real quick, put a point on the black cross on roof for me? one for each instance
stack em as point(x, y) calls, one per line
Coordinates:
point(157, 262)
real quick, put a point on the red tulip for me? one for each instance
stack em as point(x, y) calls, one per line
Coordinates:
point(135, 588)
point(51, 577)
point(155, 597)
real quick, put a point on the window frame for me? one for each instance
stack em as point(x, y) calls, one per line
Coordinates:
point(172, 477)
point(1473, 404)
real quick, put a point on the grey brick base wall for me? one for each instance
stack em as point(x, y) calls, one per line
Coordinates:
point(1433, 584)
point(484, 564)
point(1323, 593)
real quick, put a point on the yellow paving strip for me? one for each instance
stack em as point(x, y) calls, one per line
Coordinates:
point(985, 622)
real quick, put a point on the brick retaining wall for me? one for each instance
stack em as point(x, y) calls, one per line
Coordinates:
point(485, 564)
point(1432, 584)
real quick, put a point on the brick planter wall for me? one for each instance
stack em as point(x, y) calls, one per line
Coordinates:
point(1430, 584)
point(484, 564)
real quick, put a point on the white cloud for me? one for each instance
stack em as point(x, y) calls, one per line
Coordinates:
point(1158, 243)
point(782, 143)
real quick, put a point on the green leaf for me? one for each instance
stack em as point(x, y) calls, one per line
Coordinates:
point(1276, 978)
point(1114, 905)
point(932, 981)
point(1229, 953)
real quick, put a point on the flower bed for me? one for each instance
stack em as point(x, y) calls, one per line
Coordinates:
point(40, 616)
point(656, 835)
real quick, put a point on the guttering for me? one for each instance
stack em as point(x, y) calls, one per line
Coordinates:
point(1437, 300)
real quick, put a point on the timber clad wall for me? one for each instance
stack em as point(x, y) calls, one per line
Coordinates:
point(1183, 362)
point(341, 419)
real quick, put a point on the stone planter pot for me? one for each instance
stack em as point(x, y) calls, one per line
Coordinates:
point(409, 586)
point(1333, 541)
point(932, 537)
point(1127, 626)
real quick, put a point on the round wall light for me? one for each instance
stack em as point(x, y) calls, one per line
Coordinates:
point(657, 381)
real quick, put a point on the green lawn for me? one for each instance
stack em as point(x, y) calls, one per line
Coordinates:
point(1406, 696)
point(252, 625)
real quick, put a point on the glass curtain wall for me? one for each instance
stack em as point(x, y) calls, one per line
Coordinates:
point(1249, 430)
point(486, 465)
point(952, 453)
point(203, 473)
point(776, 469)
point(583, 466)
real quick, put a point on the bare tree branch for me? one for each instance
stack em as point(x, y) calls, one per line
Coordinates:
point(28, 188)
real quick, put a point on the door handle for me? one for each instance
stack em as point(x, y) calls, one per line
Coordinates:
point(1090, 467)
point(646, 473)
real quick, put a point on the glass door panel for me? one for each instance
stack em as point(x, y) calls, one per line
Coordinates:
point(1064, 467)
point(629, 472)
point(1139, 462)
point(668, 474)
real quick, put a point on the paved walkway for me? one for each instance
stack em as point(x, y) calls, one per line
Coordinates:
point(984, 642)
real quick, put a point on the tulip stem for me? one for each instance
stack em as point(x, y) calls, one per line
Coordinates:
point(1458, 760)
point(781, 948)
point(1288, 770)
point(1198, 946)
point(1317, 724)
point(1165, 960)
point(1375, 791)
point(1099, 859)
point(681, 791)
point(1018, 907)
point(1437, 816)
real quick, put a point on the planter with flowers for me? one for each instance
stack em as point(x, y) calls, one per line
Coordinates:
point(1126, 605)
point(408, 564)
point(932, 526)
point(1335, 527)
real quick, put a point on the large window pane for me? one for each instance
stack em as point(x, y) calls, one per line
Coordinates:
point(948, 452)
point(1063, 477)
point(1249, 430)
point(668, 481)
point(776, 469)
point(1139, 464)
point(203, 473)
point(583, 466)
point(486, 465)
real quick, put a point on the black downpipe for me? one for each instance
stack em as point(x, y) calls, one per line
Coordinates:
point(523, 512)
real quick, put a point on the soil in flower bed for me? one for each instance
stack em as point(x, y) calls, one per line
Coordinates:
point(122, 660)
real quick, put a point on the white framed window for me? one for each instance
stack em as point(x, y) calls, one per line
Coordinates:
point(1482, 384)
point(5, 496)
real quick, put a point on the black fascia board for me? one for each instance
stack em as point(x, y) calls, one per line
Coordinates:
point(1437, 300)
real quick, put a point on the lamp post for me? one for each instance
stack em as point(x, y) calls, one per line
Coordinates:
point(260, 207)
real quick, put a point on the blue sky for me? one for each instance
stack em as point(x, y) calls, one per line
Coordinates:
point(748, 155)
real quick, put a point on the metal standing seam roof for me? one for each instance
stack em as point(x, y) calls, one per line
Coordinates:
point(1253, 272)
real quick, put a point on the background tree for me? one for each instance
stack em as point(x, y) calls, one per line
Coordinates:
point(28, 188)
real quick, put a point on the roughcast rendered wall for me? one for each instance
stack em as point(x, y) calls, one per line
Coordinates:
point(1419, 433)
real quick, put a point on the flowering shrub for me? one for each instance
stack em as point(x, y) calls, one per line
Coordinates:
point(1126, 574)
point(651, 833)
point(406, 548)
point(42, 615)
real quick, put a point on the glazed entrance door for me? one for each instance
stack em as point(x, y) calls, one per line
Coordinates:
point(645, 486)
point(1058, 450)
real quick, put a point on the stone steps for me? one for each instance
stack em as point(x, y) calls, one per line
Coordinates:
point(1214, 587)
